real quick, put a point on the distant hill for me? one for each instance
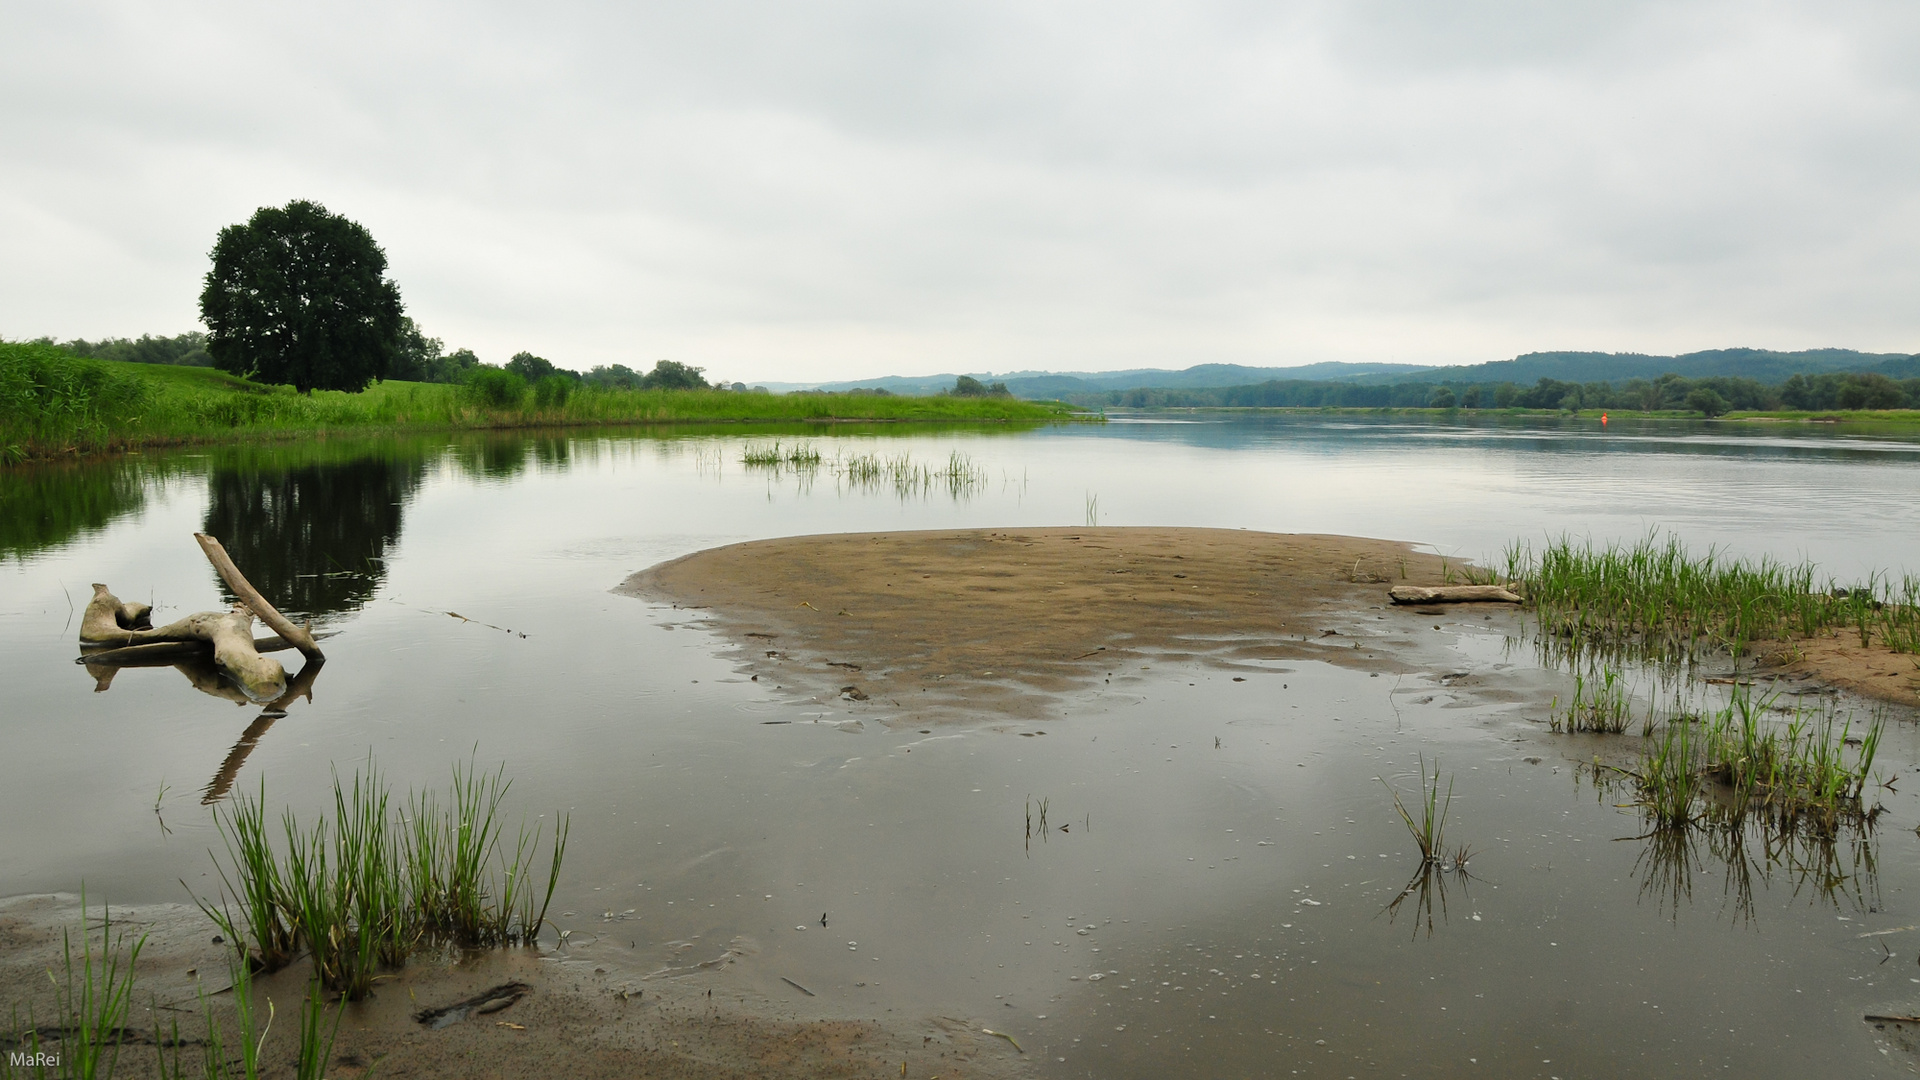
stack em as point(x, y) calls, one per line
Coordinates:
point(1763, 365)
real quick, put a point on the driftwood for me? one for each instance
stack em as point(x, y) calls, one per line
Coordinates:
point(1452, 594)
point(301, 638)
point(163, 653)
point(229, 632)
point(130, 639)
point(106, 616)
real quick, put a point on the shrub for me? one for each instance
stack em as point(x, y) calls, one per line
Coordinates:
point(968, 386)
point(47, 394)
point(1706, 402)
point(496, 388)
point(551, 392)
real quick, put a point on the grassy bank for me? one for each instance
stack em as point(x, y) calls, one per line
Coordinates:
point(53, 404)
point(1656, 600)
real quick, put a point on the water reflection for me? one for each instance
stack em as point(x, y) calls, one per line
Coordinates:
point(1840, 869)
point(313, 538)
point(300, 686)
point(47, 505)
point(194, 661)
point(1427, 892)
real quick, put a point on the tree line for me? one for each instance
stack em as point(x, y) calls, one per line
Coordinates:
point(299, 295)
point(1711, 396)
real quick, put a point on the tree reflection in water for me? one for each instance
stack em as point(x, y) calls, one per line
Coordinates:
point(313, 538)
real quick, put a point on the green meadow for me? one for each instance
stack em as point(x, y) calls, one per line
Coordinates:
point(54, 404)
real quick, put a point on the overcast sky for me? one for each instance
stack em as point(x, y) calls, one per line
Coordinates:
point(788, 191)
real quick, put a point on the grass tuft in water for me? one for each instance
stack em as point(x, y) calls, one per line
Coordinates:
point(362, 890)
point(260, 892)
point(1429, 829)
point(1600, 704)
point(775, 455)
point(1735, 761)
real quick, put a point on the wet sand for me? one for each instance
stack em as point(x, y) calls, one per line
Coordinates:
point(1836, 658)
point(953, 624)
point(574, 1019)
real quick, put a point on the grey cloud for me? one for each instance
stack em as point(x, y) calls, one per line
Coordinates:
point(785, 191)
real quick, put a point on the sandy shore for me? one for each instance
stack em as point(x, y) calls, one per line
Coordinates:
point(957, 623)
point(571, 1019)
point(945, 623)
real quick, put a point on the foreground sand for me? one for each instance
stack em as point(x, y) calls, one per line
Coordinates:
point(575, 1019)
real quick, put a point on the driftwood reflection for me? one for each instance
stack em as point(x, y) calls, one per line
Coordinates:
point(301, 686)
point(194, 660)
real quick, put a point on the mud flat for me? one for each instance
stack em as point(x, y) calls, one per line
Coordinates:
point(560, 1017)
point(953, 623)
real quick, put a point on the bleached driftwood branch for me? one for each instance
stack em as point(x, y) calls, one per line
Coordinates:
point(1452, 594)
point(130, 637)
point(229, 632)
point(299, 637)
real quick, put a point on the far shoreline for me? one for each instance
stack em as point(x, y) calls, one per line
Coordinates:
point(1865, 417)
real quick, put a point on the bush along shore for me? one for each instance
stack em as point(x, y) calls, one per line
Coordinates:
point(54, 404)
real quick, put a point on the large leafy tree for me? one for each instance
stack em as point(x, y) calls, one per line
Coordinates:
point(300, 295)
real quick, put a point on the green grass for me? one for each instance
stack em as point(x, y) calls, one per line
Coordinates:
point(1656, 600)
point(54, 404)
point(1600, 704)
point(360, 892)
point(1429, 829)
point(1810, 771)
point(776, 455)
point(868, 471)
point(92, 1000)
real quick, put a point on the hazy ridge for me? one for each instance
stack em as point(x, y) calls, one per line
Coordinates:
point(1764, 365)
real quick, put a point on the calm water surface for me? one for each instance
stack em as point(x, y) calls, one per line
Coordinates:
point(1229, 896)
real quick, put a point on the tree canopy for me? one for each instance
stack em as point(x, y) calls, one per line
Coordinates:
point(534, 368)
point(300, 295)
point(968, 386)
point(673, 375)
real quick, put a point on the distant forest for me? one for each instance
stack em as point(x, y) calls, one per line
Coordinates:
point(420, 359)
point(1712, 395)
point(1896, 385)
